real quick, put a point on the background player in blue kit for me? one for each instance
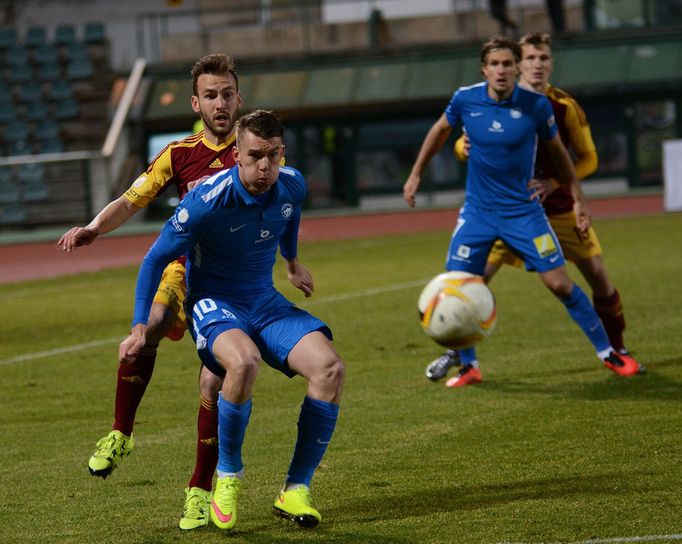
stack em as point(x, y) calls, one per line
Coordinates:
point(503, 122)
point(230, 228)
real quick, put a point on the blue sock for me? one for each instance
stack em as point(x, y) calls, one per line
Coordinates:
point(315, 428)
point(467, 356)
point(582, 312)
point(232, 422)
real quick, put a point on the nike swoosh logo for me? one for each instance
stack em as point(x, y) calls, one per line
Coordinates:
point(235, 229)
point(475, 113)
point(554, 259)
point(322, 442)
point(222, 517)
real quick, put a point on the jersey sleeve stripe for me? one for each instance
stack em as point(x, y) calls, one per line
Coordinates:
point(217, 189)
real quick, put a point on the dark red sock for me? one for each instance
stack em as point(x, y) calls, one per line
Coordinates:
point(610, 311)
point(130, 387)
point(207, 445)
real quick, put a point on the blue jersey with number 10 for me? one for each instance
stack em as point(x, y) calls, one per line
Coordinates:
point(503, 138)
point(230, 238)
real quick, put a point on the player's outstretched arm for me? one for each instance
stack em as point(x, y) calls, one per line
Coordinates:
point(110, 218)
point(136, 340)
point(299, 276)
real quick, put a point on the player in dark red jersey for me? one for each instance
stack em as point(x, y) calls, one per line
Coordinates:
point(217, 100)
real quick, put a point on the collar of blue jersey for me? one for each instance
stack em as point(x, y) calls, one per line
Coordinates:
point(247, 197)
point(510, 100)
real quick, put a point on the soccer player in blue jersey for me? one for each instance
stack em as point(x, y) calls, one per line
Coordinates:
point(230, 228)
point(503, 122)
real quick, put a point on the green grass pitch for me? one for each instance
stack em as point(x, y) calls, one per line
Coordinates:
point(550, 448)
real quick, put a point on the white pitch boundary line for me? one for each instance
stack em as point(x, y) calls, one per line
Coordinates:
point(644, 538)
point(104, 342)
point(60, 351)
point(365, 292)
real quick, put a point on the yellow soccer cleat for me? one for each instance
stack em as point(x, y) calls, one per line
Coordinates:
point(195, 513)
point(224, 503)
point(294, 505)
point(110, 450)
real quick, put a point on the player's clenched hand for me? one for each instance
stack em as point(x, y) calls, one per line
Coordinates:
point(76, 237)
point(463, 147)
point(541, 188)
point(129, 348)
point(410, 189)
point(583, 216)
point(300, 277)
point(192, 184)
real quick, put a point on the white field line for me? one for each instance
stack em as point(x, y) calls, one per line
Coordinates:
point(364, 293)
point(60, 351)
point(104, 342)
point(615, 540)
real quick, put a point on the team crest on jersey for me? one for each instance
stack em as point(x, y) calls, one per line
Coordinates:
point(287, 210)
point(515, 113)
point(545, 245)
point(139, 182)
point(551, 122)
point(496, 127)
point(180, 217)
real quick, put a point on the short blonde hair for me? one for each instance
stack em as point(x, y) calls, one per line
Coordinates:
point(536, 38)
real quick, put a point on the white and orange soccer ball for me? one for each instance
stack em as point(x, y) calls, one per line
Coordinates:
point(457, 309)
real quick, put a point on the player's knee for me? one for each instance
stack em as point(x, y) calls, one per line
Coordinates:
point(331, 375)
point(209, 384)
point(242, 365)
point(561, 289)
point(600, 284)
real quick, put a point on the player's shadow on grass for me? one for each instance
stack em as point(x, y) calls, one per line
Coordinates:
point(332, 530)
point(412, 501)
point(651, 386)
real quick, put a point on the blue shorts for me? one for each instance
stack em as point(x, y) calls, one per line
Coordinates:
point(273, 323)
point(528, 234)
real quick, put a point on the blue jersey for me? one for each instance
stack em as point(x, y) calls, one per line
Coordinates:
point(230, 238)
point(503, 138)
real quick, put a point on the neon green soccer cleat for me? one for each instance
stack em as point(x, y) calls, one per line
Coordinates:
point(195, 513)
point(295, 506)
point(224, 502)
point(110, 450)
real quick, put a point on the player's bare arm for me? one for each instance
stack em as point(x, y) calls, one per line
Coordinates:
point(434, 140)
point(110, 218)
point(299, 276)
point(566, 174)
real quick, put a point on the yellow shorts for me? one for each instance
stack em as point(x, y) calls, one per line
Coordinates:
point(171, 293)
point(575, 245)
